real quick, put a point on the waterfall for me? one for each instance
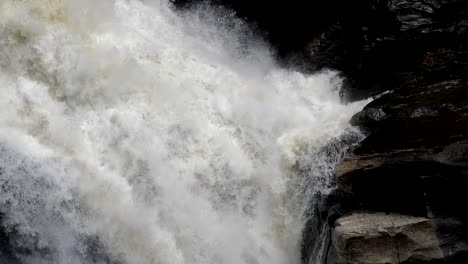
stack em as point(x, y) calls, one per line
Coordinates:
point(134, 134)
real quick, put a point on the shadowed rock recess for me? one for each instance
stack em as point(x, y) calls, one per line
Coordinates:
point(402, 191)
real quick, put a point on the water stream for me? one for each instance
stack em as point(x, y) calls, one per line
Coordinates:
point(133, 134)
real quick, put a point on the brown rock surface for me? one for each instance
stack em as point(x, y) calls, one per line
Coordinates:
point(379, 238)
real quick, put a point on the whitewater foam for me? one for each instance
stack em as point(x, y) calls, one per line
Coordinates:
point(133, 134)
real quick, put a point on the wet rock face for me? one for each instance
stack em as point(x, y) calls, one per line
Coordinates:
point(436, 105)
point(416, 151)
point(414, 165)
point(403, 42)
point(379, 238)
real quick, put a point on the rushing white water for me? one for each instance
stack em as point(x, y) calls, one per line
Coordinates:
point(131, 134)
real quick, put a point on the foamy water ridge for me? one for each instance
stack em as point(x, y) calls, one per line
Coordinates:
point(131, 134)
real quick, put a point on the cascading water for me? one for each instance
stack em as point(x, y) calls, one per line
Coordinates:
point(131, 134)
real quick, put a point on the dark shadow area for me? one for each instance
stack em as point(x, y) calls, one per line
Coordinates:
point(378, 45)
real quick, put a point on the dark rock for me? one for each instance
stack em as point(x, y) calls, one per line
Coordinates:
point(414, 160)
point(288, 26)
point(324, 207)
point(327, 209)
point(317, 230)
point(378, 45)
point(6, 250)
point(420, 106)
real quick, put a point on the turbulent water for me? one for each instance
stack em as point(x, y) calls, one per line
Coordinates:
point(130, 133)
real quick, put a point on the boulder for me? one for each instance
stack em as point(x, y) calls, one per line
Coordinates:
point(379, 238)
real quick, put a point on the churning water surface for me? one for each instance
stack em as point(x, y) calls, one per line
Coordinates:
point(130, 133)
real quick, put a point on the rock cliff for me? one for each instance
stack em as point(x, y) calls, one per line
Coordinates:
point(407, 177)
point(413, 165)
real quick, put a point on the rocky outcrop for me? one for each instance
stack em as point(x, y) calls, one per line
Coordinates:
point(416, 154)
point(404, 185)
point(409, 175)
point(379, 238)
point(387, 44)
